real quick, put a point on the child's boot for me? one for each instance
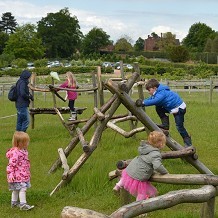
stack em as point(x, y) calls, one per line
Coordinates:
point(73, 116)
point(187, 141)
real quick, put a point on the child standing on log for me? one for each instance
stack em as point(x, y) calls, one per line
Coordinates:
point(167, 102)
point(18, 170)
point(71, 95)
point(135, 176)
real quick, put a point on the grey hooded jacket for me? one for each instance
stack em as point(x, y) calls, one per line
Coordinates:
point(143, 166)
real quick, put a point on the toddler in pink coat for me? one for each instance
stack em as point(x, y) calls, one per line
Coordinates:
point(18, 170)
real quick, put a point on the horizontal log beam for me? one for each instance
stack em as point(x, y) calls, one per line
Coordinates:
point(121, 164)
point(168, 200)
point(182, 179)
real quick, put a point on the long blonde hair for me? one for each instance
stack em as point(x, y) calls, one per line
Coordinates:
point(20, 140)
point(71, 79)
point(157, 139)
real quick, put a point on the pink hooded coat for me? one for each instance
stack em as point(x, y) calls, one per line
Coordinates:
point(18, 169)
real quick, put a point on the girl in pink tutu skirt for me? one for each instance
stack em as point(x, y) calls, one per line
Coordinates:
point(135, 176)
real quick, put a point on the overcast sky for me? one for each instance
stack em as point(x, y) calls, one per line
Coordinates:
point(134, 18)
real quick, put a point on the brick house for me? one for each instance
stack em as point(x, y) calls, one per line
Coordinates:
point(150, 43)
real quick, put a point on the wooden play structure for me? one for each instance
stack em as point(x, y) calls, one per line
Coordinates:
point(104, 117)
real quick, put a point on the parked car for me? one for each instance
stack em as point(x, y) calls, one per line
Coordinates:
point(54, 64)
point(129, 66)
point(106, 64)
point(30, 65)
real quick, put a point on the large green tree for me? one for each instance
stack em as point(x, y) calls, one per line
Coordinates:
point(214, 47)
point(25, 43)
point(60, 34)
point(197, 37)
point(3, 39)
point(8, 23)
point(139, 44)
point(166, 41)
point(178, 53)
point(95, 39)
point(124, 44)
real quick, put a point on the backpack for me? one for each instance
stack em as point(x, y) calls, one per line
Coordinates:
point(12, 94)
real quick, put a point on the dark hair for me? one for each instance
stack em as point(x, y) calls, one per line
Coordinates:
point(152, 83)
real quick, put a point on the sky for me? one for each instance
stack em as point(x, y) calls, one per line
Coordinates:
point(118, 18)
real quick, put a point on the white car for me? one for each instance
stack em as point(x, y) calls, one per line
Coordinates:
point(129, 66)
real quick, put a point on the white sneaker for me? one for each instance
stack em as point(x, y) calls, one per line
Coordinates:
point(26, 207)
point(71, 119)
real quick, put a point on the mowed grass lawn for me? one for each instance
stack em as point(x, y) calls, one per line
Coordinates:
point(91, 188)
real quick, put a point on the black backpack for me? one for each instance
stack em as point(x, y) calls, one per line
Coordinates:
point(12, 94)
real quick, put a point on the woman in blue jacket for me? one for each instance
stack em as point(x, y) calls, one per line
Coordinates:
point(23, 101)
point(167, 102)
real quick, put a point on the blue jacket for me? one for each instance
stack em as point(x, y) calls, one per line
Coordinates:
point(24, 95)
point(164, 97)
point(143, 166)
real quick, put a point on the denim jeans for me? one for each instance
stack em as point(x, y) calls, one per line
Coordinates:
point(23, 119)
point(179, 120)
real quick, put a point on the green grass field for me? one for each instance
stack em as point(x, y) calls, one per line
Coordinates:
point(91, 188)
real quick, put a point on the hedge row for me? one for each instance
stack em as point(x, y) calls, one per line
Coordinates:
point(46, 70)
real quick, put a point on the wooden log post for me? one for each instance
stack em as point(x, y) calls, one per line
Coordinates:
point(83, 142)
point(208, 209)
point(211, 91)
point(32, 116)
point(136, 67)
point(53, 94)
point(122, 70)
point(62, 120)
point(64, 163)
point(100, 86)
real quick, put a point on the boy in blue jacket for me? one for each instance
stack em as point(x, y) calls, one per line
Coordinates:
point(167, 102)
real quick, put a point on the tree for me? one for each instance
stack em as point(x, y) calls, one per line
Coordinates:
point(178, 53)
point(208, 45)
point(154, 35)
point(60, 34)
point(8, 23)
point(123, 44)
point(139, 44)
point(214, 47)
point(3, 39)
point(197, 37)
point(167, 40)
point(25, 43)
point(95, 39)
